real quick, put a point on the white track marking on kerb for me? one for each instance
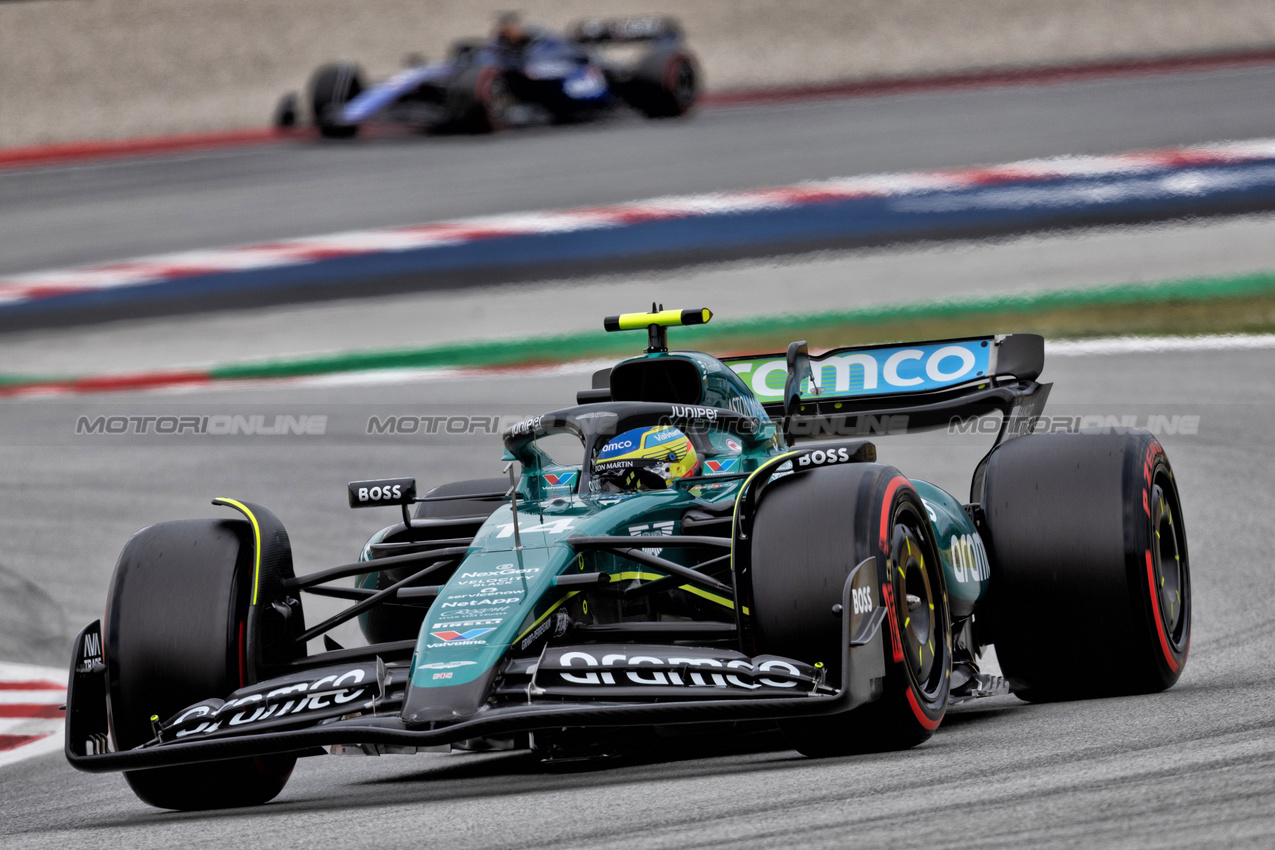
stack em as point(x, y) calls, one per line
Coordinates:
point(49, 729)
point(1177, 172)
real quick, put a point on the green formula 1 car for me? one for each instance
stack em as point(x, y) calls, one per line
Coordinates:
point(698, 541)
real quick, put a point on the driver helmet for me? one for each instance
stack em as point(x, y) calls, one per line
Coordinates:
point(510, 32)
point(645, 459)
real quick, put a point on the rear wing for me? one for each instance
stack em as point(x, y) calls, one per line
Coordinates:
point(625, 30)
point(918, 386)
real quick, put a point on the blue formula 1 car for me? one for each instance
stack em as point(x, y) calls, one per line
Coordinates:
point(520, 77)
point(697, 546)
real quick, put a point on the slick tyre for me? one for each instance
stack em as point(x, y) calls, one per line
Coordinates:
point(809, 532)
point(1091, 583)
point(174, 633)
point(331, 88)
point(665, 85)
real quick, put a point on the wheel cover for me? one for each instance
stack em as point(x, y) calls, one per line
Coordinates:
point(496, 101)
point(1170, 565)
point(920, 612)
point(683, 84)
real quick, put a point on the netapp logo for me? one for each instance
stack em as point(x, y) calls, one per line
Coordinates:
point(481, 602)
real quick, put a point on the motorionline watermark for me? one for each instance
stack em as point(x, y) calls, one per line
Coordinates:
point(216, 425)
point(436, 424)
point(458, 425)
point(1159, 424)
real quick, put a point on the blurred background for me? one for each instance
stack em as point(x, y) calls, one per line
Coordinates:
point(179, 238)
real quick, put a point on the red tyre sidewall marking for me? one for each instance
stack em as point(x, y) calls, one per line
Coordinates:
point(887, 589)
point(670, 71)
point(890, 489)
point(482, 92)
point(921, 716)
point(888, 592)
point(928, 723)
point(1150, 460)
point(1155, 611)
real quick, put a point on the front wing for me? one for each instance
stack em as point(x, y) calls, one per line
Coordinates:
point(325, 704)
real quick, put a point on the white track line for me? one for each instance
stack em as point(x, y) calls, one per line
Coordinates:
point(1158, 344)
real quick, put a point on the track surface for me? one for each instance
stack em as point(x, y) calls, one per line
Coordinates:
point(1191, 766)
point(96, 213)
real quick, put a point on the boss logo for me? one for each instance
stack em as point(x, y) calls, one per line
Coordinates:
point(388, 491)
point(862, 599)
point(819, 457)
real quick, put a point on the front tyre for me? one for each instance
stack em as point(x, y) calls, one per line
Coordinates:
point(1091, 582)
point(175, 632)
point(809, 532)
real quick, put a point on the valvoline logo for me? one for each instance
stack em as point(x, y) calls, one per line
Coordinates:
point(559, 479)
point(722, 465)
point(662, 436)
point(469, 635)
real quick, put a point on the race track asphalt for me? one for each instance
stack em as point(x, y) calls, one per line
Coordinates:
point(63, 216)
point(1194, 766)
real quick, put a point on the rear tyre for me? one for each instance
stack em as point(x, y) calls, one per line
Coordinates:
point(331, 88)
point(809, 532)
point(665, 85)
point(175, 634)
point(1091, 583)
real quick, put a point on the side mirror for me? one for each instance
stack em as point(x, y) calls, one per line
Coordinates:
point(382, 492)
